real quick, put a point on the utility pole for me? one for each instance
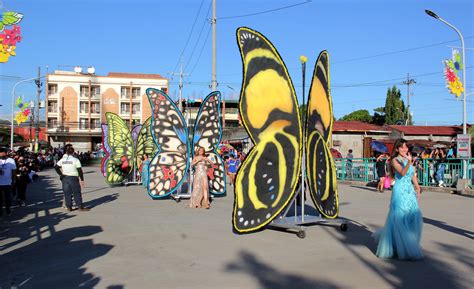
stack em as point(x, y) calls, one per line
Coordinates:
point(213, 23)
point(37, 126)
point(181, 74)
point(408, 82)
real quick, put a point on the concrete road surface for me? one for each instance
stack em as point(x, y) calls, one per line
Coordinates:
point(128, 240)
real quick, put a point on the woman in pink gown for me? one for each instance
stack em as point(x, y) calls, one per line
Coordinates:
point(200, 194)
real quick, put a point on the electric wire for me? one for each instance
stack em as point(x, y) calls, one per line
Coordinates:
point(264, 12)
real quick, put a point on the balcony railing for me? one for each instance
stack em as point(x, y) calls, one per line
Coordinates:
point(52, 110)
point(72, 127)
point(53, 94)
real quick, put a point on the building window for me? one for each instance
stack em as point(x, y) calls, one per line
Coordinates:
point(83, 123)
point(125, 92)
point(84, 91)
point(124, 108)
point(84, 107)
point(52, 106)
point(52, 89)
point(136, 108)
point(135, 92)
point(95, 123)
point(95, 91)
point(95, 107)
point(52, 122)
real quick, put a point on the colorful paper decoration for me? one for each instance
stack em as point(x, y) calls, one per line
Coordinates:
point(169, 167)
point(123, 148)
point(24, 111)
point(269, 176)
point(9, 37)
point(451, 70)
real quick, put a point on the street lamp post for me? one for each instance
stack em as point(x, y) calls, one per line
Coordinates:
point(13, 106)
point(464, 119)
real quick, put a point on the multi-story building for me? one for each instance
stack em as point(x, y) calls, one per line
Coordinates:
point(77, 103)
point(229, 112)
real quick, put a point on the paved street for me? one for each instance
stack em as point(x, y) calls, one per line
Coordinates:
point(128, 240)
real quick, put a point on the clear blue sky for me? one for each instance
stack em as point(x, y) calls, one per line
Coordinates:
point(149, 37)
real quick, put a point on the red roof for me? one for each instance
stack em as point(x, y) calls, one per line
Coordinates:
point(428, 130)
point(134, 75)
point(357, 126)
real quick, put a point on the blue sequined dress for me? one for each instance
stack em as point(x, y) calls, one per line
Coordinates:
point(401, 235)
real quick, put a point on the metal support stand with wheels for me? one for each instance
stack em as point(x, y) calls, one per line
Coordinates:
point(134, 180)
point(299, 218)
point(179, 194)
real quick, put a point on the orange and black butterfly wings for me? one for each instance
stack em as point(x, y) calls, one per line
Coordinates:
point(267, 179)
point(321, 172)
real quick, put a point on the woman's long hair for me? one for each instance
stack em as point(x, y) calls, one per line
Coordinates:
point(398, 144)
point(197, 151)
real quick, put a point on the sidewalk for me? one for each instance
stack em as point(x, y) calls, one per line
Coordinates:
point(128, 240)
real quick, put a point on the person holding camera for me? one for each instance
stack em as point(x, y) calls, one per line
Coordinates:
point(7, 180)
point(69, 170)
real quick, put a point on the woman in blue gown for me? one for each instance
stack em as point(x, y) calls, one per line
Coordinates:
point(401, 235)
point(144, 170)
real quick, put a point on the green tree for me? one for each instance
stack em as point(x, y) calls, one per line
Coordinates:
point(395, 112)
point(360, 115)
point(379, 116)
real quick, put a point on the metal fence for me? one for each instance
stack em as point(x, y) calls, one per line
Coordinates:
point(428, 171)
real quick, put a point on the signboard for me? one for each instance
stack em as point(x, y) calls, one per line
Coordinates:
point(464, 145)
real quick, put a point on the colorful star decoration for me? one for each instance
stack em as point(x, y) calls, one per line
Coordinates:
point(451, 69)
point(9, 38)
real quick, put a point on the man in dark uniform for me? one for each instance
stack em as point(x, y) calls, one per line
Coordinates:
point(70, 171)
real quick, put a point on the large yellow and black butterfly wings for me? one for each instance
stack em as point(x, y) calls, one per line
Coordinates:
point(169, 166)
point(120, 164)
point(268, 177)
point(145, 144)
point(208, 134)
point(321, 172)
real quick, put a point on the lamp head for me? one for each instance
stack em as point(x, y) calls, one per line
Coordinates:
point(432, 14)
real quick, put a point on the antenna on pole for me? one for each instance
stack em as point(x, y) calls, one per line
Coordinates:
point(408, 82)
point(181, 74)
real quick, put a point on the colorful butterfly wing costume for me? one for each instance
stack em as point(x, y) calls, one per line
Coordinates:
point(268, 177)
point(144, 144)
point(320, 169)
point(105, 148)
point(169, 167)
point(123, 148)
point(208, 134)
point(121, 161)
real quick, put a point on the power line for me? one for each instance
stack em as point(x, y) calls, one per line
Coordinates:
point(398, 51)
point(189, 36)
point(202, 49)
point(199, 37)
point(266, 11)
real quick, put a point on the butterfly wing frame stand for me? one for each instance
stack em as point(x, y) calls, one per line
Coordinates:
point(269, 110)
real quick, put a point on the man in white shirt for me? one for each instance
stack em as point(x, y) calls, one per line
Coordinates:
point(7, 179)
point(70, 171)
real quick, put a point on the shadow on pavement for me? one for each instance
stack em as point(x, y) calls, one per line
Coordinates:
point(36, 255)
point(403, 274)
point(269, 277)
point(442, 225)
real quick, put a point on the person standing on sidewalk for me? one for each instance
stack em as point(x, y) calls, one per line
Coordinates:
point(7, 179)
point(69, 170)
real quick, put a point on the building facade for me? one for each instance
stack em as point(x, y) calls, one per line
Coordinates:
point(77, 103)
